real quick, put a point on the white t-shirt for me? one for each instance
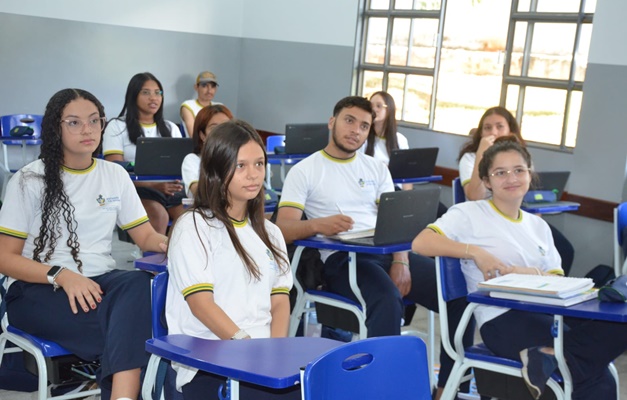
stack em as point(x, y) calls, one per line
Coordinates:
point(194, 107)
point(525, 242)
point(466, 166)
point(190, 171)
point(201, 257)
point(116, 140)
point(322, 186)
point(103, 196)
point(380, 149)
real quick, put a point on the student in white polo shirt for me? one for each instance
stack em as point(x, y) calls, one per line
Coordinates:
point(206, 87)
point(229, 273)
point(56, 227)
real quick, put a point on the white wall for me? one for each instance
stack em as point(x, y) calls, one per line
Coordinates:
point(213, 17)
point(329, 22)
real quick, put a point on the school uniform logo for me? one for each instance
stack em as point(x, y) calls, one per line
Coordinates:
point(101, 200)
point(272, 263)
point(363, 183)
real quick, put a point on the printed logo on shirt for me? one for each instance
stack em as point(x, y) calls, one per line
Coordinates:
point(542, 251)
point(273, 264)
point(363, 183)
point(108, 204)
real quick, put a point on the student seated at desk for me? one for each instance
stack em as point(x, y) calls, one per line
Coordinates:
point(206, 86)
point(56, 228)
point(229, 272)
point(497, 122)
point(142, 115)
point(495, 237)
point(338, 189)
point(207, 119)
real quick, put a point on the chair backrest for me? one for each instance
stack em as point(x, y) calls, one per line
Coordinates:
point(620, 226)
point(274, 141)
point(458, 191)
point(7, 122)
point(391, 367)
point(159, 290)
point(451, 283)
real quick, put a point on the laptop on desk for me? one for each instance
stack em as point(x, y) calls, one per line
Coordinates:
point(413, 163)
point(161, 156)
point(401, 216)
point(306, 138)
point(552, 181)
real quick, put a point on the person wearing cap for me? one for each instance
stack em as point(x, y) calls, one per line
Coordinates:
point(206, 87)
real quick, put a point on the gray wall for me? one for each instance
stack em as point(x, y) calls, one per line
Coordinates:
point(40, 56)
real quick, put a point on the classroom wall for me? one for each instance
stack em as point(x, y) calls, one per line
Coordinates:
point(276, 67)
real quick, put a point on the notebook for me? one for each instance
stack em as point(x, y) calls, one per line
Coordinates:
point(161, 156)
point(554, 181)
point(537, 285)
point(413, 163)
point(306, 138)
point(554, 301)
point(401, 216)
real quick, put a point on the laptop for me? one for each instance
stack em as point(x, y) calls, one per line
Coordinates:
point(306, 138)
point(553, 181)
point(161, 156)
point(413, 163)
point(402, 215)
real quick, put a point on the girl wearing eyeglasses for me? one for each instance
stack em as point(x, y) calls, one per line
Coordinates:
point(56, 227)
point(495, 237)
point(497, 122)
point(142, 115)
point(206, 86)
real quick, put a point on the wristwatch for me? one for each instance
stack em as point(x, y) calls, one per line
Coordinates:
point(52, 276)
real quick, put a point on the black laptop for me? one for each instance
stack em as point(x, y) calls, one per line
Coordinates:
point(161, 156)
point(413, 163)
point(306, 138)
point(553, 181)
point(401, 216)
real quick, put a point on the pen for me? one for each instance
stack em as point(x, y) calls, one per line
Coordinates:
point(339, 209)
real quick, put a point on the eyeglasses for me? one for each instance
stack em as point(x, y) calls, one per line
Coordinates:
point(148, 92)
point(75, 125)
point(502, 174)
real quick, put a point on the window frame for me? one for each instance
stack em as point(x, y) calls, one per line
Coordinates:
point(523, 82)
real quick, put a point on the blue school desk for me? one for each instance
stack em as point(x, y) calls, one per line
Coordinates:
point(157, 262)
point(239, 360)
point(591, 309)
point(558, 207)
point(422, 179)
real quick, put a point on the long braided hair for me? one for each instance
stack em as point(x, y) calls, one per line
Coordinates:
point(55, 204)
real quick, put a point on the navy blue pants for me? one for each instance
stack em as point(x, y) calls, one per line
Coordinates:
point(114, 333)
point(383, 300)
point(207, 386)
point(589, 346)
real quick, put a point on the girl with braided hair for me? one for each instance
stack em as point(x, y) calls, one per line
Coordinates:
point(56, 228)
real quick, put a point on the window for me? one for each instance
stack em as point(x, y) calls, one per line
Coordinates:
point(445, 62)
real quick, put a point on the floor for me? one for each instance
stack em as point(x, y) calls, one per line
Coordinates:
point(124, 254)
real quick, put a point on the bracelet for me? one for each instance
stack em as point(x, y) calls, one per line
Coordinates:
point(538, 270)
point(241, 334)
point(405, 263)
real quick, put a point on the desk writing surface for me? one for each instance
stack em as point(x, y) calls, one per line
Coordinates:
point(324, 243)
point(551, 209)
point(591, 309)
point(155, 262)
point(272, 363)
point(155, 178)
point(422, 179)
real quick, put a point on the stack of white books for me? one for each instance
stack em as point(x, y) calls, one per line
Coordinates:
point(552, 289)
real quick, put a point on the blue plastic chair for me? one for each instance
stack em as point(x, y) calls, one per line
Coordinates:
point(274, 141)
point(620, 224)
point(458, 191)
point(391, 367)
point(40, 349)
point(452, 285)
point(12, 162)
